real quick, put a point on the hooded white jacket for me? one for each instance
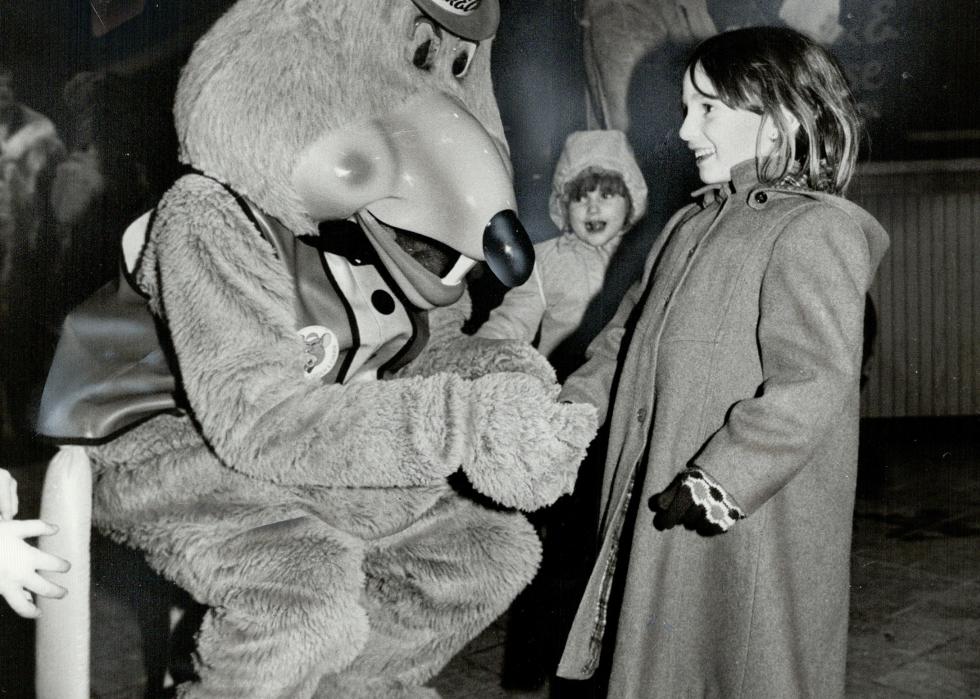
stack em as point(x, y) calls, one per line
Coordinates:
point(569, 273)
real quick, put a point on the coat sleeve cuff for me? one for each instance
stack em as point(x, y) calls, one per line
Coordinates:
point(720, 508)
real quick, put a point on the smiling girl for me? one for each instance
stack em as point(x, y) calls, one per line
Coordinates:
point(730, 377)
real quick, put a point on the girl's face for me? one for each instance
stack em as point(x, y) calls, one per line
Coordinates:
point(597, 218)
point(720, 136)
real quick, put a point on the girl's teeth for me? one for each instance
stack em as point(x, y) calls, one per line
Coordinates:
point(703, 153)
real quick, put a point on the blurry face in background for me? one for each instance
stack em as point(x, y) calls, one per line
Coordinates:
point(7, 95)
point(720, 136)
point(596, 217)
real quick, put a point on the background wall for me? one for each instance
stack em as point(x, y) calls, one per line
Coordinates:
point(927, 292)
point(540, 87)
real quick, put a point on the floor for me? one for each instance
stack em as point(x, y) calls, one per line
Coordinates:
point(915, 611)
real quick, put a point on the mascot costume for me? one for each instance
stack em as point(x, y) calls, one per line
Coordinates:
point(349, 167)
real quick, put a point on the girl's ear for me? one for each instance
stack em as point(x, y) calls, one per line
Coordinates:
point(770, 131)
point(791, 121)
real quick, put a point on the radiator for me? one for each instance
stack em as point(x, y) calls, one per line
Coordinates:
point(926, 357)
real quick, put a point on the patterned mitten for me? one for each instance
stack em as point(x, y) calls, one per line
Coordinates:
point(697, 501)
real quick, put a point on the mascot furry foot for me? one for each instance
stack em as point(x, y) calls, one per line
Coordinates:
point(350, 167)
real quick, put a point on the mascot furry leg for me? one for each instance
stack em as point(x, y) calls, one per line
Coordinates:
point(430, 589)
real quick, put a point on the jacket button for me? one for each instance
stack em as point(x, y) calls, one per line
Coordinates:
point(641, 415)
point(761, 197)
point(383, 302)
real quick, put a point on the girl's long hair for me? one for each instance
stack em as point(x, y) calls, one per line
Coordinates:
point(767, 70)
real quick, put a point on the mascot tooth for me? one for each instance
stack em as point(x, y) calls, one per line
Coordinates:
point(349, 165)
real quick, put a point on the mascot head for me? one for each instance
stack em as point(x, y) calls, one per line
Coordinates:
point(377, 112)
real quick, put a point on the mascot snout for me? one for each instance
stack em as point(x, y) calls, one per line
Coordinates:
point(429, 168)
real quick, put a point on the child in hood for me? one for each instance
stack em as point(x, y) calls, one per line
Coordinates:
point(598, 194)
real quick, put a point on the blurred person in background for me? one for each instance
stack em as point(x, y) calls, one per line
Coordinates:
point(30, 148)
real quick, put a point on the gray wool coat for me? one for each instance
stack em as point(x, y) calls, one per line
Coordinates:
point(741, 351)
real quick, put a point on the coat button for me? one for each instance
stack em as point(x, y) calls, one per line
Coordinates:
point(641, 415)
point(761, 197)
point(383, 302)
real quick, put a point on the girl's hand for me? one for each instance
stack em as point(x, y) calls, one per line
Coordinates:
point(20, 563)
point(8, 495)
point(695, 500)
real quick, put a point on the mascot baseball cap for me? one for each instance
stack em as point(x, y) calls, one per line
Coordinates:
point(471, 19)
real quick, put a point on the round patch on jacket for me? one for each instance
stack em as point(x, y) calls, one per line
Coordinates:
point(321, 348)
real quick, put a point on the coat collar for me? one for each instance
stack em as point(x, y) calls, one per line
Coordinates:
point(745, 183)
point(744, 180)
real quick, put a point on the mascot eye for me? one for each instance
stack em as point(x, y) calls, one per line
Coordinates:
point(424, 45)
point(463, 58)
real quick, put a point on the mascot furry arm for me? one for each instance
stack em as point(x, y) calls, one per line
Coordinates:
point(241, 364)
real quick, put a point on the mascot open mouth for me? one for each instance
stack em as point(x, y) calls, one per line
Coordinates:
point(430, 273)
point(434, 256)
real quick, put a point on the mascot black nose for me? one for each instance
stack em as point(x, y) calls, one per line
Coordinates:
point(507, 249)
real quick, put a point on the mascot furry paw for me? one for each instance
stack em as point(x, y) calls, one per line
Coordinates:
point(350, 166)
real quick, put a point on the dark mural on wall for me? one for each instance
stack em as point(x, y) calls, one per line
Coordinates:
point(912, 65)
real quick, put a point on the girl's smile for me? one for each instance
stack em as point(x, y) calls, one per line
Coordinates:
point(720, 136)
point(702, 153)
